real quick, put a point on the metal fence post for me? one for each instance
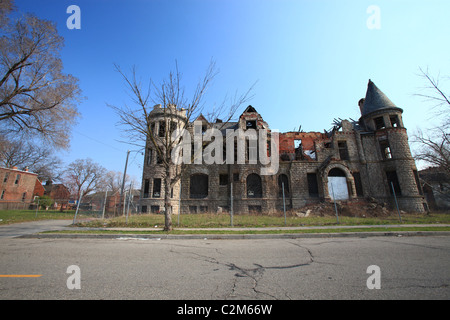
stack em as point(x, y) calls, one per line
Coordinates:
point(231, 204)
point(78, 206)
point(396, 204)
point(284, 204)
point(334, 200)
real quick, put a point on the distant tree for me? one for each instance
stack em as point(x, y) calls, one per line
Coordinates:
point(36, 98)
point(38, 159)
point(84, 175)
point(170, 94)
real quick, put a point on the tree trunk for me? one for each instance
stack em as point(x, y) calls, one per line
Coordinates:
point(167, 204)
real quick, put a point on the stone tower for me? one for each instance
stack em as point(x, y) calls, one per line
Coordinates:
point(163, 121)
point(386, 135)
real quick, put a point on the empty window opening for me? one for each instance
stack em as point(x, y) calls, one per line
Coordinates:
point(162, 128)
point(149, 156)
point(395, 122)
point(223, 179)
point(298, 149)
point(385, 149)
point(156, 187)
point(313, 187)
point(153, 209)
point(146, 187)
point(144, 209)
point(358, 184)
point(251, 124)
point(254, 186)
point(283, 183)
point(379, 123)
point(252, 151)
point(198, 186)
point(343, 150)
point(236, 177)
point(392, 180)
point(17, 179)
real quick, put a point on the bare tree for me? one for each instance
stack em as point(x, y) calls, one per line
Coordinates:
point(38, 158)
point(433, 146)
point(175, 108)
point(36, 97)
point(84, 175)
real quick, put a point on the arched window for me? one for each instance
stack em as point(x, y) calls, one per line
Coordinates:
point(283, 181)
point(198, 186)
point(254, 186)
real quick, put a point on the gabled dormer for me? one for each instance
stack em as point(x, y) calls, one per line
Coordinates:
point(251, 119)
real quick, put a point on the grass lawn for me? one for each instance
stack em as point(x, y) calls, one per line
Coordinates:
point(253, 221)
point(15, 216)
point(153, 221)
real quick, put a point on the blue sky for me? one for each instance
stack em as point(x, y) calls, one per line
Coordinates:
point(312, 58)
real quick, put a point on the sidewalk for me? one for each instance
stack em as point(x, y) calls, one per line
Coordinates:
point(138, 233)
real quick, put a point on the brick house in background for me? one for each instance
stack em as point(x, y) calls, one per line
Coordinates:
point(59, 193)
point(18, 188)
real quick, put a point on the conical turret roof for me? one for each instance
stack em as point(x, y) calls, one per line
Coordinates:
point(376, 100)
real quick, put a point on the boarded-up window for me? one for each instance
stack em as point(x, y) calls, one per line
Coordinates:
point(254, 186)
point(337, 185)
point(198, 186)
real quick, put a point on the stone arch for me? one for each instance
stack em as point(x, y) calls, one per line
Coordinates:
point(338, 179)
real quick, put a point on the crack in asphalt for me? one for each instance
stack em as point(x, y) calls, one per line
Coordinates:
point(254, 274)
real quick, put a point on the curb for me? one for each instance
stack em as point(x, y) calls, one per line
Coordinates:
point(235, 236)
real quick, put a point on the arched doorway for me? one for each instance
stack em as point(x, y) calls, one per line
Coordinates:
point(337, 185)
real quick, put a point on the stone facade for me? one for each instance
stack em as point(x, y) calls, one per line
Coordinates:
point(354, 161)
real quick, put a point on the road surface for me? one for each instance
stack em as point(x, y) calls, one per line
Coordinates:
point(286, 269)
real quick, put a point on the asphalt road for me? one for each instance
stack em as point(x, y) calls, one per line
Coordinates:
point(328, 268)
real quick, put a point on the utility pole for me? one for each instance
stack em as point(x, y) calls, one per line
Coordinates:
point(123, 181)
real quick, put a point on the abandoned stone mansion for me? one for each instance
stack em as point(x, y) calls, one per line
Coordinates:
point(354, 161)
